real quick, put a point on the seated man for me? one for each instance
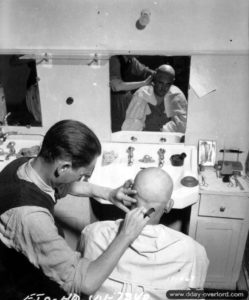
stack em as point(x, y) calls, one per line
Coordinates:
point(158, 107)
point(160, 259)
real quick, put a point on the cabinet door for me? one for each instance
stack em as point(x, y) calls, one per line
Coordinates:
point(220, 237)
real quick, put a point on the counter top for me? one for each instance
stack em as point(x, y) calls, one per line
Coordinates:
point(215, 185)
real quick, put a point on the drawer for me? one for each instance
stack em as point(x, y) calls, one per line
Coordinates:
point(223, 206)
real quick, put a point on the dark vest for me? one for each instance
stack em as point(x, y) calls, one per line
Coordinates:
point(156, 119)
point(21, 278)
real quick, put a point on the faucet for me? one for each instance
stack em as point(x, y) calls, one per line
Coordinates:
point(4, 135)
point(5, 119)
point(12, 150)
point(130, 151)
point(161, 153)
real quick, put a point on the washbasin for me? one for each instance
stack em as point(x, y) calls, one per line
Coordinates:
point(147, 137)
point(113, 167)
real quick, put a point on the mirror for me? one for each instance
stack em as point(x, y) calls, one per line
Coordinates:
point(143, 103)
point(19, 92)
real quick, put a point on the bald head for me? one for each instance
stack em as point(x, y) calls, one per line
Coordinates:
point(167, 70)
point(164, 78)
point(154, 187)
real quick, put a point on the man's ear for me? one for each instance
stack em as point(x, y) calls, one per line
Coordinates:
point(169, 206)
point(62, 167)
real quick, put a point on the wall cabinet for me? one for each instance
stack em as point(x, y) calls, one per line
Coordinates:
point(219, 221)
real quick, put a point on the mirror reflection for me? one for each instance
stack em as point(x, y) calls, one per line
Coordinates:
point(19, 92)
point(149, 93)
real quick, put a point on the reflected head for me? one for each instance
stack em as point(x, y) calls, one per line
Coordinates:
point(164, 78)
point(167, 70)
point(70, 140)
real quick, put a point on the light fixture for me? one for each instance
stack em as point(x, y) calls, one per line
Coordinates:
point(144, 19)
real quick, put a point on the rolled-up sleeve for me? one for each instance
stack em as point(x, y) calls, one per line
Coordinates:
point(39, 240)
point(140, 69)
point(136, 114)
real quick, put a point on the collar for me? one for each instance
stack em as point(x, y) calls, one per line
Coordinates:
point(26, 172)
point(155, 237)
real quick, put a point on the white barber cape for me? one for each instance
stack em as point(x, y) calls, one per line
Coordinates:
point(160, 259)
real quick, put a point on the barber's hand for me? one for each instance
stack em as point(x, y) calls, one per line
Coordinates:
point(122, 196)
point(134, 223)
point(148, 80)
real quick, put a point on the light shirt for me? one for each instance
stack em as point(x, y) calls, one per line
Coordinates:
point(160, 259)
point(32, 231)
point(26, 172)
point(175, 105)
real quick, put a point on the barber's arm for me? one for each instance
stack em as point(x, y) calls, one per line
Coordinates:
point(136, 113)
point(116, 82)
point(101, 268)
point(40, 242)
point(119, 196)
point(139, 69)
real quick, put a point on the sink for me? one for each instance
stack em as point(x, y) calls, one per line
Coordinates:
point(20, 141)
point(114, 174)
point(147, 137)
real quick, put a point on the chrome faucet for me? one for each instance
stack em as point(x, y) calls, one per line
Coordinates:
point(12, 150)
point(4, 135)
point(5, 119)
point(161, 153)
point(130, 151)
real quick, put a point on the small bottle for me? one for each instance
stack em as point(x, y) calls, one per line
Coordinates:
point(219, 167)
point(201, 168)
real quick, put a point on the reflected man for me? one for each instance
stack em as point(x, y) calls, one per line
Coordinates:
point(158, 107)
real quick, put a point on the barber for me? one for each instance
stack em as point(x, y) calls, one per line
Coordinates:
point(37, 259)
point(127, 74)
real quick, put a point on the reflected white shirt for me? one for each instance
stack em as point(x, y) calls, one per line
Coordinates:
point(175, 105)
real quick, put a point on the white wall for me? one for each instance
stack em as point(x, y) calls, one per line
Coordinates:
point(89, 87)
point(77, 27)
point(222, 115)
point(109, 25)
